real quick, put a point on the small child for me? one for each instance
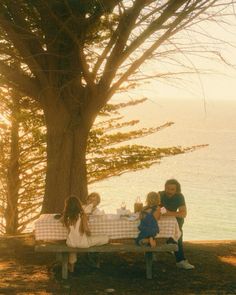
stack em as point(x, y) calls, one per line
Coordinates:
point(90, 207)
point(149, 221)
point(93, 201)
point(79, 235)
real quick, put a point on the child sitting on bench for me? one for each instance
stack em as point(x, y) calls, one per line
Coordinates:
point(79, 235)
point(93, 201)
point(149, 221)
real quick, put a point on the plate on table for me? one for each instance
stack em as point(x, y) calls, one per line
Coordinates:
point(130, 217)
point(112, 216)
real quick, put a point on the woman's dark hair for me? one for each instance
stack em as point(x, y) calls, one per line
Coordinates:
point(174, 182)
point(72, 211)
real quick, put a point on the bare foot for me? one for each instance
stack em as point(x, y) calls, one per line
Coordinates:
point(152, 242)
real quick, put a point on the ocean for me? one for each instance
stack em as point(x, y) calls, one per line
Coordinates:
point(207, 175)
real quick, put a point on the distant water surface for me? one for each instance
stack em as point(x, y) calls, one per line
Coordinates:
point(207, 176)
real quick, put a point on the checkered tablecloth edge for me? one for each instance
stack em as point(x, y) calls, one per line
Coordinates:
point(48, 228)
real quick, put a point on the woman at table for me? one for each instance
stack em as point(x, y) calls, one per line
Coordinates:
point(174, 202)
point(79, 235)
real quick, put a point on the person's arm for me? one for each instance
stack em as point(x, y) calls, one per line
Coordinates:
point(182, 212)
point(157, 213)
point(88, 208)
point(159, 199)
point(85, 226)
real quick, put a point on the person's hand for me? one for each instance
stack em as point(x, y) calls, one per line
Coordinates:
point(163, 210)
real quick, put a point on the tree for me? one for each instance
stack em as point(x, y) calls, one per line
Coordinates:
point(74, 56)
point(22, 158)
point(23, 155)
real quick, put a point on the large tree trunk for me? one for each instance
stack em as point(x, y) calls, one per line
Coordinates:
point(13, 179)
point(66, 159)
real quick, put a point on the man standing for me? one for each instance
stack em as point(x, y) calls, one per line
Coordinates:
point(174, 203)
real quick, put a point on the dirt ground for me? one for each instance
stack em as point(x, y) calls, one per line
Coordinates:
point(22, 271)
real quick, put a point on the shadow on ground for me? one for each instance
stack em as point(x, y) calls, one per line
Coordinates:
point(24, 272)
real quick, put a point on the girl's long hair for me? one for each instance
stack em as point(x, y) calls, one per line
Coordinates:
point(153, 199)
point(72, 211)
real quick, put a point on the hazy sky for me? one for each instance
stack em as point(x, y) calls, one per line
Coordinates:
point(209, 87)
point(220, 84)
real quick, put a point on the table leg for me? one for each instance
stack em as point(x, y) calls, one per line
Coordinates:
point(65, 265)
point(148, 259)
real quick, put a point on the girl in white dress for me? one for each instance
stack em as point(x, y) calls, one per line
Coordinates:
point(79, 235)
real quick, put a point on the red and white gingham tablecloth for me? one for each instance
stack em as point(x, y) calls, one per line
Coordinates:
point(49, 228)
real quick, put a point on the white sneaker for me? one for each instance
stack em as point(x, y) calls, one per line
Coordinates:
point(185, 265)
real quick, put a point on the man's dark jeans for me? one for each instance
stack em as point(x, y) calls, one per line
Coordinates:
point(179, 255)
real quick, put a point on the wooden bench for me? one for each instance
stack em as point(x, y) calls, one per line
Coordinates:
point(62, 250)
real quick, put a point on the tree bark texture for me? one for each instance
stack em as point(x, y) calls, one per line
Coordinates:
point(66, 158)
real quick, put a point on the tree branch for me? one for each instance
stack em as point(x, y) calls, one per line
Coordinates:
point(10, 76)
point(123, 31)
point(173, 29)
point(29, 55)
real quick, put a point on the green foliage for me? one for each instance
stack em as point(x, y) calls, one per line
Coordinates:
point(113, 108)
point(32, 159)
point(116, 161)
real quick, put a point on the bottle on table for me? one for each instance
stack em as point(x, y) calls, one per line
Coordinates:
point(123, 205)
point(138, 205)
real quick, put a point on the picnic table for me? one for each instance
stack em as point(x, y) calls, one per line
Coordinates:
point(49, 230)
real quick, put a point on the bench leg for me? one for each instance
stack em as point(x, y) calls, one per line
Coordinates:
point(65, 265)
point(148, 259)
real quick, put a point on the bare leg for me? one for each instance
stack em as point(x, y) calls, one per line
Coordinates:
point(152, 242)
